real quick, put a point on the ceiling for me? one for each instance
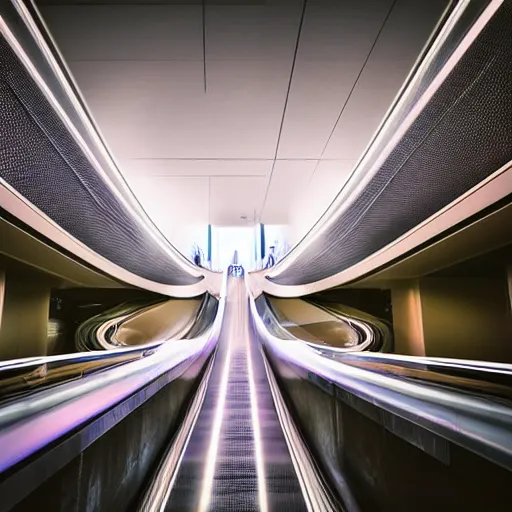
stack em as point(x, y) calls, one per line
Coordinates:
point(235, 112)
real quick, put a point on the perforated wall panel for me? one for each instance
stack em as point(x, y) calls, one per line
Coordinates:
point(463, 135)
point(41, 160)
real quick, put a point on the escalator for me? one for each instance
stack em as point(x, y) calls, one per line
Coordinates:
point(246, 404)
point(236, 453)
point(239, 419)
point(237, 457)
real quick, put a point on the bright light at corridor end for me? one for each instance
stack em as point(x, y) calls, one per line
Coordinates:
point(253, 245)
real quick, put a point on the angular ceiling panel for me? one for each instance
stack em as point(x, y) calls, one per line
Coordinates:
point(127, 32)
point(236, 201)
point(144, 109)
point(289, 181)
point(192, 106)
point(395, 53)
point(252, 32)
point(323, 187)
point(170, 201)
point(335, 42)
point(182, 167)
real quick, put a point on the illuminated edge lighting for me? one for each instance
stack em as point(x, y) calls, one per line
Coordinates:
point(207, 485)
point(24, 210)
point(314, 492)
point(292, 449)
point(158, 495)
point(347, 196)
point(258, 447)
point(137, 212)
point(489, 191)
point(188, 435)
point(65, 81)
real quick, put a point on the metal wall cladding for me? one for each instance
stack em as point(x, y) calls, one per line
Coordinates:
point(461, 137)
point(41, 160)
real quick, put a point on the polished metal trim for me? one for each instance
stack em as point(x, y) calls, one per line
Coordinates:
point(121, 189)
point(2, 294)
point(43, 417)
point(475, 423)
point(124, 194)
point(32, 423)
point(316, 494)
point(156, 496)
point(102, 144)
point(130, 206)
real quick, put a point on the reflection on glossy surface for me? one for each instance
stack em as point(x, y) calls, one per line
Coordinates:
point(310, 323)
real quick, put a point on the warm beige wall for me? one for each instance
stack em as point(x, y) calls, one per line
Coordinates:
point(24, 317)
point(453, 317)
point(407, 319)
point(509, 282)
point(467, 318)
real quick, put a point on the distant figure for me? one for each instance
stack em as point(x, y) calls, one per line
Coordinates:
point(271, 260)
point(235, 270)
point(197, 259)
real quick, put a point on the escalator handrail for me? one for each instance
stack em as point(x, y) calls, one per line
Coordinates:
point(477, 376)
point(28, 375)
point(367, 343)
point(475, 423)
point(425, 361)
point(30, 423)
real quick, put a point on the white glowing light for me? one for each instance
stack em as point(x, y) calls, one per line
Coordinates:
point(260, 470)
point(206, 490)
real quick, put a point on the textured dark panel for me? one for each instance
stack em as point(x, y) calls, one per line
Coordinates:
point(40, 159)
point(111, 473)
point(462, 136)
point(151, 2)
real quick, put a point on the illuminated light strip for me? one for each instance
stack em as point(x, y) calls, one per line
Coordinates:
point(494, 188)
point(16, 204)
point(207, 486)
point(258, 448)
point(138, 214)
point(157, 496)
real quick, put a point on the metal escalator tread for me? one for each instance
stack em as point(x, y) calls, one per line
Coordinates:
point(235, 480)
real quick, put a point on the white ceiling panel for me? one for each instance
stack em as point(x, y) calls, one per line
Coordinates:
point(180, 167)
point(238, 118)
point(329, 177)
point(127, 32)
point(252, 32)
point(388, 66)
point(144, 109)
point(169, 197)
point(320, 191)
point(289, 180)
point(236, 197)
point(179, 206)
point(341, 30)
point(197, 138)
point(160, 110)
point(244, 108)
point(318, 91)
point(116, 82)
point(335, 41)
